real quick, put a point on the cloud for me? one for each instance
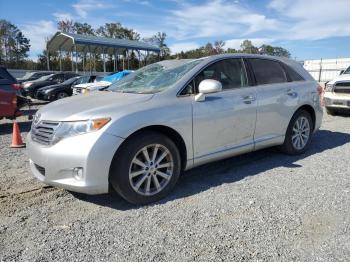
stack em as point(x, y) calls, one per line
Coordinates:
point(186, 46)
point(217, 18)
point(312, 19)
point(38, 32)
point(83, 7)
point(63, 16)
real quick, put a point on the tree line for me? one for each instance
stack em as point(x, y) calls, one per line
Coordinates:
point(14, 48)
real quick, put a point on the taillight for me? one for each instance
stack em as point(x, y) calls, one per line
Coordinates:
point(14, 100)
point(16, 86)
point(320, 91)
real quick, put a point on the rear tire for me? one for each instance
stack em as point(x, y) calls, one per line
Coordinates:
point(139, 173)
point(299, 133)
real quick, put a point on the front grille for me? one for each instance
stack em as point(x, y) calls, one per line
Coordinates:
point(342, 88)
point(40, 169)
point(44, 131)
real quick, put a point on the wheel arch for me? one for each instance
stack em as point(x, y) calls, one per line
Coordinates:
point(311, 111)
point(167, 131)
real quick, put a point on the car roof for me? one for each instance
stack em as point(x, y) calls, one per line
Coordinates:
point(292, 63)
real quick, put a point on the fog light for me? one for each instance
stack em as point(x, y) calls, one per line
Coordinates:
point(78, 173)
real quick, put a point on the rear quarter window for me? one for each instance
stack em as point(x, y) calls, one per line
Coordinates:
point(268, 71)
point(292, 75)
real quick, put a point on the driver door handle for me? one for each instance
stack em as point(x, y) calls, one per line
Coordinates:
point(248, 99)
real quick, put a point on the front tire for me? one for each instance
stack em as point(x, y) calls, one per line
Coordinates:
point(299, 133)
point(146, 168)
point(61, 95)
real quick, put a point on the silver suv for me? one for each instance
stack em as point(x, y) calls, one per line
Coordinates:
point(140, 134)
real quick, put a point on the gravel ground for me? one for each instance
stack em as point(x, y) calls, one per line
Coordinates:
point(262, 206)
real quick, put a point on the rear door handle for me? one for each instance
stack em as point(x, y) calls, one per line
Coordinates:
point(291, 93)
point(248, 99)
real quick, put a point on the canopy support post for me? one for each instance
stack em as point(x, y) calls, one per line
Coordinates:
point(84, 62)
point(48, 59)
point(84, 54)
point(94, 62)
point(71, 58)
point(60, 52)
point(95, 59)
point(123, 61)
point(76, 58)
point(116, 60)
point(138, 51)
point(128, 59)
point(104, 61)
point(89, 59)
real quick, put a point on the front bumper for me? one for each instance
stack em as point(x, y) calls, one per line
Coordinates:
point(337, 100)
point(44, 96)
point(28, 92)
point(93, 152)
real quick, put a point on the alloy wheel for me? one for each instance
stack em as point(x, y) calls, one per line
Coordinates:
point(61, 95)
point(151, 169)
point(301, 133)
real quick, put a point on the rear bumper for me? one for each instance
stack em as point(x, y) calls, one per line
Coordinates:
point(92, 152)
point(336, 100)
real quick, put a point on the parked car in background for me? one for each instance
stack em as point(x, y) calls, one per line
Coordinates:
point(104, 83)
point(172, 116)
point(64, 89)
point(337, 93)
point(29, 76)
point(8, 94)
point(30, 87)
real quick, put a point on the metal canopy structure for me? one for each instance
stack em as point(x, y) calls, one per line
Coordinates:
point(69, 42)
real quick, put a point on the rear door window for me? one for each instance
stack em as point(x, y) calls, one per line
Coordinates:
point(268, 71)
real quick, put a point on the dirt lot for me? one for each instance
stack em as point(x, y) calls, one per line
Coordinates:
point(263, 206)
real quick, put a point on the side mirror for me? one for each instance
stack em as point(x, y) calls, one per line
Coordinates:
point(341, 72)
point(207, 86)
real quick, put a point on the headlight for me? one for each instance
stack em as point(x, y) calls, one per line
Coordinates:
point(329, 87)
point(26, 85)
point(68, 129)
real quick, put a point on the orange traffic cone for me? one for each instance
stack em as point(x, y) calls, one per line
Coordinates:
point(16, 137)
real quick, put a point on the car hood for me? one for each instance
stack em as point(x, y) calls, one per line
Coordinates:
point(344, 77)
point(38, 83)
point(94, 105)
point(51, 87)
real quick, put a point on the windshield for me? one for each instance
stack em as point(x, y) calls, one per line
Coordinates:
point(347, 71)
point(98, 78)
point(70, 80)
point(27, 75)
point(45, 77)
point(155, 77)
